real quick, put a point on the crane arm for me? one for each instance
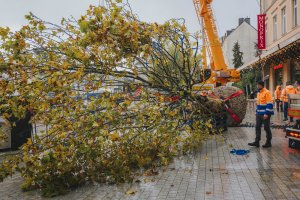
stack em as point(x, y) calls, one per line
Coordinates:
point(220, 72)
point(204, 12)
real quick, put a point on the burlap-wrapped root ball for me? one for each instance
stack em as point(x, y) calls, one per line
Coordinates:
point(237, 104)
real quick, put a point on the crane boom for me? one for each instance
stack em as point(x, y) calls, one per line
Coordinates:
point(220, 72)
point(204, 12)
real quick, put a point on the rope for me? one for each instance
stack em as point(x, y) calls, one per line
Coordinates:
point(272, 126)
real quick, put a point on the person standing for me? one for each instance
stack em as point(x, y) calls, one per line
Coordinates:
point(298, 87)
point(289, 89)
point(277, 95)
point(264, 111)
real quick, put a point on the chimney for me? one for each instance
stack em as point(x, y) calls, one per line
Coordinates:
point(247, 20)
point(228, 33)
point(241, 20)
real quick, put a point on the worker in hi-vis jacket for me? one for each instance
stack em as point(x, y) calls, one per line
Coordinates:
point(264, 111)
point(289, 89)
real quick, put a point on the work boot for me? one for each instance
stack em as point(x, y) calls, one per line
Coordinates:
point(254, 144)
point(267, 145)
point(285, 119)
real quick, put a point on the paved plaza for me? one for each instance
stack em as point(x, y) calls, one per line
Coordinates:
point(210, 173)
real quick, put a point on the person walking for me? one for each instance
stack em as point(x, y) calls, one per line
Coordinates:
point(264, 111)
point(289, 89)
point(277, 95)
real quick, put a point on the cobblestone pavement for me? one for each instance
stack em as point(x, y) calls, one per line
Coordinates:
point(210, 173)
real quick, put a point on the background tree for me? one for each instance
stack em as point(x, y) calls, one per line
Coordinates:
point(258, 51)
point(237, 56)
point(53, 66)
point(250, 77)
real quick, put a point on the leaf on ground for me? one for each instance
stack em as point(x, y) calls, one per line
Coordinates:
point(151, 172)
point(130, 192)
point(147, 180)
point(208, 193)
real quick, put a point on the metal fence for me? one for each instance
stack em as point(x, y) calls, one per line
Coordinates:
point(251, 106)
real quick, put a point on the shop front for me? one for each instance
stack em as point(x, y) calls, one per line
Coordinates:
point(278, 71)
point(295, 71)
point(287, 70)
point(278, 66)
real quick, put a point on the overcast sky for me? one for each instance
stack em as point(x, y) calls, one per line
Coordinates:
point(227, 12)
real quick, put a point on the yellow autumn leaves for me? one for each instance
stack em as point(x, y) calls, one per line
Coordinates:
point(69, 75)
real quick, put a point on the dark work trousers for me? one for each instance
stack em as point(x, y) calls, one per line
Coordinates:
point(285, 111)
point(259, 121)
point(278, 102)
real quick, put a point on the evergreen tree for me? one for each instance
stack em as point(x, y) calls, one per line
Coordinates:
point(237, 56)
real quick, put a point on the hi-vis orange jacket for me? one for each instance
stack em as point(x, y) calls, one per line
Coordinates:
point(298, 89)
point(285, 92)
point(277, 93)
point(264, 103)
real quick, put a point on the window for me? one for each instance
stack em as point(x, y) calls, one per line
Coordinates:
point(275, 28)
point(283, 20)
point(295, 13)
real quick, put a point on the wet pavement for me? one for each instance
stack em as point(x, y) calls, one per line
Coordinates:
point(210, 173)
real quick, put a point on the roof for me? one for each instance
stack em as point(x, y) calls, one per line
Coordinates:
point(235, 29)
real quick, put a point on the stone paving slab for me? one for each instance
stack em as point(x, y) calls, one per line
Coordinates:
point(210, 173)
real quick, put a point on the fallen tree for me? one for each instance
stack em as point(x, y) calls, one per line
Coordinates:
point(105, 139)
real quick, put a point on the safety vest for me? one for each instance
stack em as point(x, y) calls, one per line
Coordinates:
point(264, 103)
point(285, 93)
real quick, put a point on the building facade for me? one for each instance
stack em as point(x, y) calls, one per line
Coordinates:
point(246, 35)
point(280, 61)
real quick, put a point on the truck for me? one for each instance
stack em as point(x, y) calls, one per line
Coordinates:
point(293, 134)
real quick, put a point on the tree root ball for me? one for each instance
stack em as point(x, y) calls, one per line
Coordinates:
point(237, 104)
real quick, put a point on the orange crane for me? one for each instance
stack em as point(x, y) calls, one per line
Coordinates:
point(220, 74)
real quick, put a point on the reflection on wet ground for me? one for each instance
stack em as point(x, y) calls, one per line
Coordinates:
point(210, 173)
